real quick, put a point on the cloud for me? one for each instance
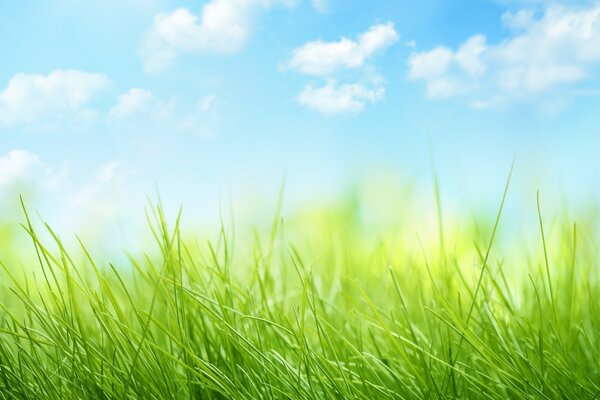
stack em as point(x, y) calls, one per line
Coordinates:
point(333, 98)
point(75, 199)
point(17, 166)
point(63, 99)
point(546, 54)
point(31, 98)
point(324, 58)
point(327, 60)
point(140, 109)
point(23, 169)
point(206, 103)
point(434, 67)
point(110, 172)
point(223, 26)
point(137, 101)
point(105, 193)
point(203, 119)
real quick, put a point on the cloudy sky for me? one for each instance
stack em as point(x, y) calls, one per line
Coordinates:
point(106, 100)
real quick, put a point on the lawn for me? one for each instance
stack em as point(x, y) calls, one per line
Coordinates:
point(320, 305)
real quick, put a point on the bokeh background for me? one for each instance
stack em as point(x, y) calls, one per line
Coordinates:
point(213, 105)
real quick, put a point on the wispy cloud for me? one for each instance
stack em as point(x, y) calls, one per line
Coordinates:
point(223, 26)
point(103, 195)
point(21, 168)
point(327, 60)
point(321, 6)
point(546, 53)
point(32, 98)
point(137, 101)
point(140, 108)
point(20, 165)
point(64, 99)
point(203, 120)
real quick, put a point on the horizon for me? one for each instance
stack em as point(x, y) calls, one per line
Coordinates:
point(105, 103)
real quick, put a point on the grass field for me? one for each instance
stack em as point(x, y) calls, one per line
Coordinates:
point(317, 306)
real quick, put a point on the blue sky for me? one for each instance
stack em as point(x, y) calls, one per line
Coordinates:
point(102, 102)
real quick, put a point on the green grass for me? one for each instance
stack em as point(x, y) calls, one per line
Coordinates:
point(320, 305)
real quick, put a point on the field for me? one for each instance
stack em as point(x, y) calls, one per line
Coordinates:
point(319, 305)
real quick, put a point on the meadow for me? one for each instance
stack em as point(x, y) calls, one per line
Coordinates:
point(321, 303)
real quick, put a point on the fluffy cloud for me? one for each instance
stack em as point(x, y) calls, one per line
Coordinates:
point(545, 52)
point(333, 98)
point(328, 59)
point(435, 67)
point(31, 98)
point(324, 58)
point(223, 26)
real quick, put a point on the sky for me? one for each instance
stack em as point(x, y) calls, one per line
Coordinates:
point(103, 103)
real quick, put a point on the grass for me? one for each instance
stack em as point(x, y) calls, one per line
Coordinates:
point(316, 307)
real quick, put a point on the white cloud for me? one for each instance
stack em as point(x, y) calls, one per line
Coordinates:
point(137, 101)
point(23, 169)
point(333, 98)
point(203, 120)
point(430, 64)
point(468, 57)
point(433, 67)
point(17, 165)
point(328, 60)
point(324, 58)
point(109, 172)
point(519, 20)
point(140, 109)
point(543, 55)
point(207, 103)
point(30, 98)
point(104, 194)
point(223, 26)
